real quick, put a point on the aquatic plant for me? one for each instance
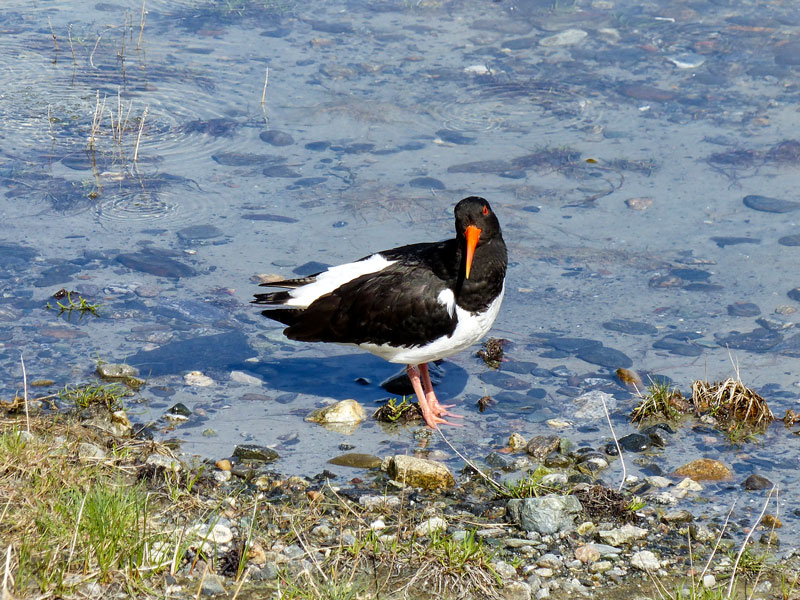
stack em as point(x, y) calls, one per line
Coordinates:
point(70, 304)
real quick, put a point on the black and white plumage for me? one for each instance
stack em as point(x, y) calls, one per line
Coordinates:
point(409, 305)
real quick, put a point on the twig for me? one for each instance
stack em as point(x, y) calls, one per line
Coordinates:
point(746, 539)
point(7, 573)
point(77, 524)
point(264, 98)
point(25, 384)
point(489, 480)
point(53, 33)
point(139, 137)
point(71, 47)
point(50, 123)
point(97, 43)
point(308, 553)
point(264, 93)
point(616, 442)
point(141, 26)
point(200, 585)
point(241, 583)
point(719, 539)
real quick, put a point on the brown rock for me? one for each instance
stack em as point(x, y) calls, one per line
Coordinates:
point(542, 445)
point(223, 464)
point(704, 468)
point(419, 472)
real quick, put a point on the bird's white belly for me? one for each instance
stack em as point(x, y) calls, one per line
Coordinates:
point(471, 328)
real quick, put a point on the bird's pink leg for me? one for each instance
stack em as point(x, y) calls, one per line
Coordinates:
point(431, 418)
point(440, 410)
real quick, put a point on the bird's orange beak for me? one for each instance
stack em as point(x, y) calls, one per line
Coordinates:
point(472, 234)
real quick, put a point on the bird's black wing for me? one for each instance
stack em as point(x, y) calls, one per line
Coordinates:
point(398, 306)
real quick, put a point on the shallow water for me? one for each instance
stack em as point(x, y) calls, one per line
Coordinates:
point(377, 118)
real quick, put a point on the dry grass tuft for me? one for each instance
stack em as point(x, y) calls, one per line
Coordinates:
point(731, 402)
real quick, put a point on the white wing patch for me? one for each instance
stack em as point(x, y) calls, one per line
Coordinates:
point(447, 299)
point(329, 280)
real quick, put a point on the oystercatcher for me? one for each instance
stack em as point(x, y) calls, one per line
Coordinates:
point(408, 305)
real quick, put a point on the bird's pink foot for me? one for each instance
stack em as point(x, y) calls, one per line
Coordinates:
point(432, 411)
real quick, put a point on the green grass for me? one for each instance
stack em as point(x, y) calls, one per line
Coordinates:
point(529, 486)
point(109, 395)
point(659, 401)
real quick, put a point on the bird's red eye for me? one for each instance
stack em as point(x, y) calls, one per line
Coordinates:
point(485, 211)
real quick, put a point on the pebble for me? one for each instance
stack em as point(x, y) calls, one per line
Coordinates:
point(657, 481)
point(88, 451)
point(709, 581)
point(600, 566)
point(277, 171)
point(199, 233)
point(587, 553)
point(542, 445)
point(504, 570)
point(517, 441)
point(550, 560)
point(645, 560)
point(419, 472)
point(743, 309)
point(704, 469)
point(433, 524)
point(428, 183)
point(516, 590)
point(379, 502)
point(345, 412)
point(688, 60)
point(568, 37)
point(163, 462)
point(255, 452)
point(477, 70)
point(356, 460)
point(663, 498)
point(640, 204)
point(630, 327)
point(116, 371)
point(622, 535)
point(210, 536)
point(156, 264)
point(633, 442)
point(789, 240)
point(196, 378)
point(276, 138)
point(770, 205)
point(591, 405)
point(787, 54)
point(605, 357)
point(246, 378)
point(179, 409)
point(756, 482)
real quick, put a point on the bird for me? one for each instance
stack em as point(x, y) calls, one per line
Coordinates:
point(410, 305)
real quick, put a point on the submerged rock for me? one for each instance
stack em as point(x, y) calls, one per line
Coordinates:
point(357, 460)
point(419, 472)
point(770, 205)
point(704, 469)
point(155, 264)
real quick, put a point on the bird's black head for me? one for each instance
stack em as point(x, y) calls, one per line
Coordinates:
point(476, 225)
